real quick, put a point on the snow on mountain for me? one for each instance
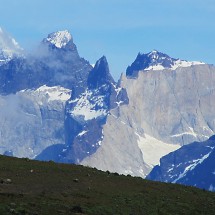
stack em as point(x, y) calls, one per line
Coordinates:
point(96, 101)
point(50, 66)
point(60, 38)
point(33, 95)
point(157, 61)
point(89, 106)
point(86, 113)
point(166, 109)
point(9, 48)
point(183, 63)
point(191, 165)
point(56, 93)
point(153, 149)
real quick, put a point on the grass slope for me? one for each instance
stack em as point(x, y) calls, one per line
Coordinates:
point(40, 188)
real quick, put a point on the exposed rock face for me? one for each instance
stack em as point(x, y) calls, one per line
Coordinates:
point(119, 151)
point(165, 107)
point(192, 165)
point(175, 106)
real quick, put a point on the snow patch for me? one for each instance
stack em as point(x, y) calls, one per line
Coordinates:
point(99, 143)
point(82, 133)
point(155, 67)
point(177, 64)
point(59, 39)
point(119, 103)
point(182, 63)
point(191, 167)
point(55, 93)
point(89, 106)
point(160, 61)
point(191, 132)
point(153, 149)
point(117, 90)
point(48, 94)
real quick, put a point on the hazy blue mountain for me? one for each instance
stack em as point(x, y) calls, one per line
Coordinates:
point(33, 92)
point(51, 65)
point(192, 165)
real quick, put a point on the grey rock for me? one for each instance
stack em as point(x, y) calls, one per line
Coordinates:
point(173, 106)
point(30, 122)
point(170, 106)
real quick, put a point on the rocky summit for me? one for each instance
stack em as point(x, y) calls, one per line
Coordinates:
point(156, 60)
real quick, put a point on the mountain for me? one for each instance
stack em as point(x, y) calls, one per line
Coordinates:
point(156, 60)
point(191, 165)
point(49, 65)
point(87, 113)
point(167, 109)
point(9, 48)
point(33, 94)
point(59, 39)
point(176, 105)
point(56, 106)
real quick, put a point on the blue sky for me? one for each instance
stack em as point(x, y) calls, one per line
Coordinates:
point(118, 29)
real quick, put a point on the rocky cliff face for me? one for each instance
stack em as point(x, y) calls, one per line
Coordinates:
point(32, 120)
point(175, 106)
point(86, 113)
point(167, 108)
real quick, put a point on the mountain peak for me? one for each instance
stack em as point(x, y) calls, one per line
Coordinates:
point(154, 51)
point(100, 74)
point(103, 61)
point(156, 60)
point(59, 39)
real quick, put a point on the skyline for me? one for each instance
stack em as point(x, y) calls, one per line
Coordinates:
point(117, 29)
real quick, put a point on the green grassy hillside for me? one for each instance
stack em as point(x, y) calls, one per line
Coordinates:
point(37, 188)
